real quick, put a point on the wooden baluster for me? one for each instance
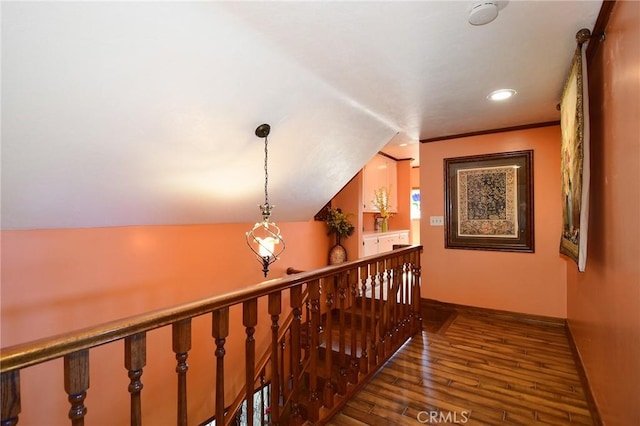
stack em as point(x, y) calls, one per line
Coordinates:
point(283, 372)
point(263, 412)
point(384, 307)
point(397, 299)
point(76, 383)
point(296, 354)
point(135, 358)
point(10, 397)
point(290, 379)
point(314, 401)
point(307, 327)
point(398, 283)
point(404, 312)
point(375, 322)
point(412, 280)
point(250, 320)
point(342, 372)
point(220, 331)
point(328, 393)
point(275, 308)
point(393, 303)
point(181, 336)
point(407, 295)
point(391, 306)
point(353, 317)
point(417, 308)
point(364, 360)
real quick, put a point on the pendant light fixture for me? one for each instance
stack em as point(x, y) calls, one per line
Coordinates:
point(264, 239)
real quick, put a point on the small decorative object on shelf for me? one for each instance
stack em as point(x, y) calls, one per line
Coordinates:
point(338, 224)
point(381, 202)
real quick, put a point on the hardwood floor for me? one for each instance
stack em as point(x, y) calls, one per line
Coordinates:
point(476, 369)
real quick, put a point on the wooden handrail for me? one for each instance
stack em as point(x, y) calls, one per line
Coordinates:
point(27, 354)
point(394, 310)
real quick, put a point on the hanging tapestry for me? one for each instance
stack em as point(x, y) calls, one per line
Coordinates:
point(574, 119)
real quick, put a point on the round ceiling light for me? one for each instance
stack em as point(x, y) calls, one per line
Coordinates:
point(501, 95)
point(483, 12)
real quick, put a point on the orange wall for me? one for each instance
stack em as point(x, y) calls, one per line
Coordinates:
point(604, 301)
point(532, 283)
point(402, 219)
point(60, 280)
point(349, 200)
point(415, 223)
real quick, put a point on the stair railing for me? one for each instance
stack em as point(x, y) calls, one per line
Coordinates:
point(355, 316)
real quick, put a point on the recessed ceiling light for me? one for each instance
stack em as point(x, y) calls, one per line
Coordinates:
point(501, 95)
point(404, 144)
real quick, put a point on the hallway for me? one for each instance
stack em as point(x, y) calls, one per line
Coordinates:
point(479, 368)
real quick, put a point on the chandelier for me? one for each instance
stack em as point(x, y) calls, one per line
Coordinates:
point(265, 235)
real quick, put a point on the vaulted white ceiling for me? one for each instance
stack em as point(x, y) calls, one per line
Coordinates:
point(135, 113)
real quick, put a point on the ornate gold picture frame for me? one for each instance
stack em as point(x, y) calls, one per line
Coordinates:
point(574, 123)
point(489, 202)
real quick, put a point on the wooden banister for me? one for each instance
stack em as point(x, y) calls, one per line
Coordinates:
point(310, 356)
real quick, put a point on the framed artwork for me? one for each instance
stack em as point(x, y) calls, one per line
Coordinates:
point(574, 123)
point(489, 202)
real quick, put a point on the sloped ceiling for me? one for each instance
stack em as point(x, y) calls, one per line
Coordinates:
point(139, 113)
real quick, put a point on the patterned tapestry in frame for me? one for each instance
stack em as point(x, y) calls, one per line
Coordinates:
point(489, 202)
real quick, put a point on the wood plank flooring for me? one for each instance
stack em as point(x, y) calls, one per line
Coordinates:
point(478, 369)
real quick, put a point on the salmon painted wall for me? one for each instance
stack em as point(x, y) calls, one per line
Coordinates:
point(415, 223)
point(55, 281)
point(531, 283)
point(402, 219)
point(604, 301)
point(349, 201)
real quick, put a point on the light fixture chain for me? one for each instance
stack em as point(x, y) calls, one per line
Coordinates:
point(266, 172)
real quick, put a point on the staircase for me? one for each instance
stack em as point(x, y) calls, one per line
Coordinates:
point(340, 347)
point(340, 326)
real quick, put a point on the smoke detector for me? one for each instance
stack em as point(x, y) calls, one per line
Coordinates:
point(482, 12)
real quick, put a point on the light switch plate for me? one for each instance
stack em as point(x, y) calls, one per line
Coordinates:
point(436, 220)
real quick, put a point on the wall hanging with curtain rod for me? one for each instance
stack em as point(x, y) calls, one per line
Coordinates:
point(264, 239)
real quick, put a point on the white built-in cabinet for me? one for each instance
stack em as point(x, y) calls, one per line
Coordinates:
point(379, 242)
point(380, 172)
